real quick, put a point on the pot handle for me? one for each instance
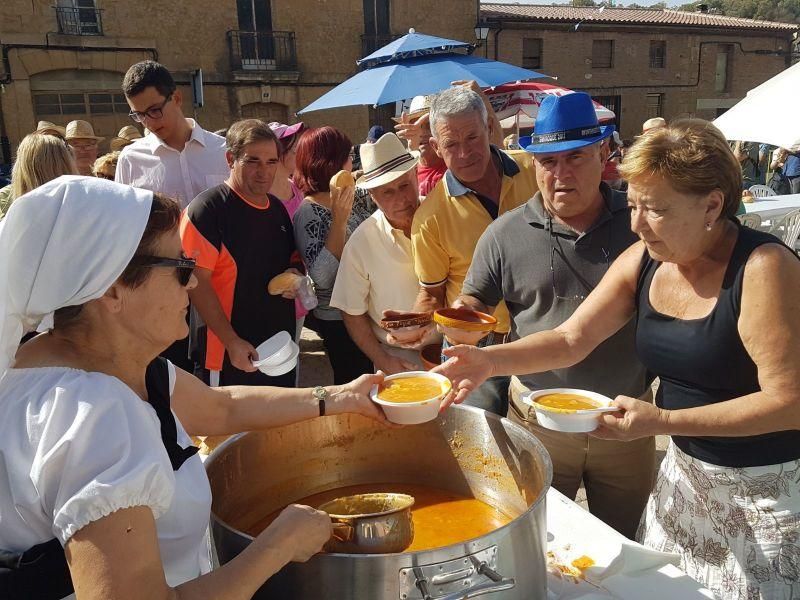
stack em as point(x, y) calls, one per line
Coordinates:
point(498, 583)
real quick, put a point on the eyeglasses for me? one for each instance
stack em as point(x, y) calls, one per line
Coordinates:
point(89, 146)
point(571, 270)
point(104, 176)
point(155, 112)
point(184, 267)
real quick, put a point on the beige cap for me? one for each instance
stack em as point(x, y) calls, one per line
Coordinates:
point(47, 126)
point(81, 130)
point(384, 161)
point(126, 136)
point(653, 123)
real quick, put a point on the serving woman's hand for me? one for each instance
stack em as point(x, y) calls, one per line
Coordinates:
point(467, 368)
point(635, 419)
point(299, 531)
point(354, 397)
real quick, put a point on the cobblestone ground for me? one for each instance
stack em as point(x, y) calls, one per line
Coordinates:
point(316, 370)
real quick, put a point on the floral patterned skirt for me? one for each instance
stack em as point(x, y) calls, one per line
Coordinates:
point(737, 529)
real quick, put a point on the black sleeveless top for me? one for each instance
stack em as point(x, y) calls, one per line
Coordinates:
point(41, 572)
point(703, 361)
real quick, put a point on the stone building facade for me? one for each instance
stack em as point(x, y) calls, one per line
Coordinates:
point(259, 58)
point(642, 63)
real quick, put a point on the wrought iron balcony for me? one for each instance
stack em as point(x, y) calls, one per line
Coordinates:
point(262, 50)
point(79, 21)
point(370, 43)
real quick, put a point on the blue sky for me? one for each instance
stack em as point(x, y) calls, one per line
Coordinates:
point(616, 2)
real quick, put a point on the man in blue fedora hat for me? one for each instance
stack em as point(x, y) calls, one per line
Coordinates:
point(543, 259)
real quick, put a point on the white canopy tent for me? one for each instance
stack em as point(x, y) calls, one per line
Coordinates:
point(768, 114)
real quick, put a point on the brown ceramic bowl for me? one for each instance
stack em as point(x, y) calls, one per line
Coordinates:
point(465, 319)
point(431, 356)
point(400, 320)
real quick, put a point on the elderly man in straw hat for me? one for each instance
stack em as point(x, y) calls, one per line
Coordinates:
point(83, 142)
point(126, 136)
point(376, 271)
point(543, 259)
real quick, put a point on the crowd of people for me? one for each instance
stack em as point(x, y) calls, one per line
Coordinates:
point(606, 264)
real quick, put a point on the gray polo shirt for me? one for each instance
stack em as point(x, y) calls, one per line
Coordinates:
point(512, 262)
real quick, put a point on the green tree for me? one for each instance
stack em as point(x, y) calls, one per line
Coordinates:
point(785, 11)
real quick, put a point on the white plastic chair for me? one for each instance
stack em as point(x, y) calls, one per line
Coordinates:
point(762, 191)
point(752, 221)
point(788, 228)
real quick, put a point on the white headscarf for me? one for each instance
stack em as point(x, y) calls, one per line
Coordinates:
point(63, 244)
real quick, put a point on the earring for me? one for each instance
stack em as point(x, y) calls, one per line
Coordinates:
point(708, 226)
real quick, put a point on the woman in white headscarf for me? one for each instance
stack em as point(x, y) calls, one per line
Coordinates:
point(92, 459)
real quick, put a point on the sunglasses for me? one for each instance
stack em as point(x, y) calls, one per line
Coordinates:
point(184, 267)
point(104, 176)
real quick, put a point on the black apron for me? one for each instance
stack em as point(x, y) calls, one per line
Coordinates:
point(41, 572)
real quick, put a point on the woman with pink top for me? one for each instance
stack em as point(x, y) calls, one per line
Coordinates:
point(287, 192)
point(283, 187)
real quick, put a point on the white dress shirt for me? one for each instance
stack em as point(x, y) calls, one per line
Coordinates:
point(150, 164)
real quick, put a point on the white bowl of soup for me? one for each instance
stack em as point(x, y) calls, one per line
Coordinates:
point(567, 409)
point(411, 397)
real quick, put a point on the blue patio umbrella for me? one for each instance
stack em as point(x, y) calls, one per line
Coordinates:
point(411, 45)
point(398, 80)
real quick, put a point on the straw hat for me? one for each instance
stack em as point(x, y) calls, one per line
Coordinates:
point(125, 137)
point(653, 123)
point(47, 126)
point(420, 105)
point(384, 161)
point(77, 130)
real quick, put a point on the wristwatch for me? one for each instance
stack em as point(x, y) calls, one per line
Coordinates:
point(321, 394)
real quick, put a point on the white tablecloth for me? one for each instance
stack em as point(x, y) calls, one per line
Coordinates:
point(568, 525)
point(773, 207)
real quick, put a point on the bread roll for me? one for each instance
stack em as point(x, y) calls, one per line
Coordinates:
point(283, 283)
point(342, 179)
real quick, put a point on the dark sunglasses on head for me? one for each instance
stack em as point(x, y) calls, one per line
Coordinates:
point(184, 267)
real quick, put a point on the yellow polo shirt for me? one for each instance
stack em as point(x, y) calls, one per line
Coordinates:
point(449, 222)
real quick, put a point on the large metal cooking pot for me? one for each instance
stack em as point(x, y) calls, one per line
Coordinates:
point(465, 451)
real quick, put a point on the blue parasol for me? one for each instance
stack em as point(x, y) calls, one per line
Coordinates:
point(411, 45)
point(417, 76)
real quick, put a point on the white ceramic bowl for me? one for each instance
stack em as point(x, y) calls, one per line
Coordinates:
point(561, 419)
point(275, 351)
point(284, 367)
point(412, 413)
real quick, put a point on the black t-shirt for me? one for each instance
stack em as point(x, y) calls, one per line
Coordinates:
point(704, 361)
point(244, 246)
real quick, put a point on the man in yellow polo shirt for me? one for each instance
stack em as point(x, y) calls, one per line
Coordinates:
point(481, 183)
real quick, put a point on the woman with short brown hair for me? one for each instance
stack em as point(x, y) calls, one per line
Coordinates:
point(716, 309)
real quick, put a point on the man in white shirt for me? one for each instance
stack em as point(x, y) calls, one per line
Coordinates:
point(376, 271)
point(179, 158)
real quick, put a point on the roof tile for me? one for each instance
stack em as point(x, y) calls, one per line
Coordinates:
point(634, 16)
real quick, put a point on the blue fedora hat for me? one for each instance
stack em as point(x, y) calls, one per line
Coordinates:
point(565, 123)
